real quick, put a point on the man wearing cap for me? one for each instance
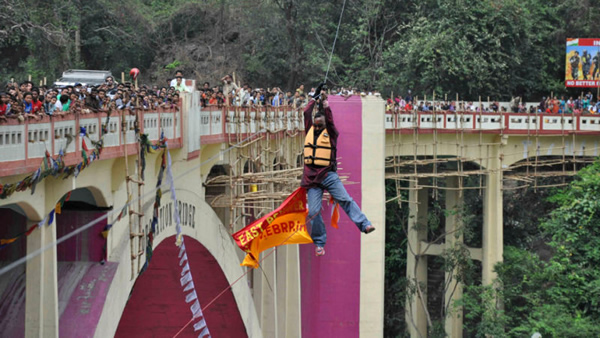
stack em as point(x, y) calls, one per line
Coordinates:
point(320, 171)
point(228, 87)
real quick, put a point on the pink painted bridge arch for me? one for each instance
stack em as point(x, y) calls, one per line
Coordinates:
point(157, 307)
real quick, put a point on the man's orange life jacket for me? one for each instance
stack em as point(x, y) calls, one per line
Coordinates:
point(319, 153)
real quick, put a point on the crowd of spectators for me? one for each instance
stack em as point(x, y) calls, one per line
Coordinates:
point(549, 105)
point(24, 101)
point(229, 93)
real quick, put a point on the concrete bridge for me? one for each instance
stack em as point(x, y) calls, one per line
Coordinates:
point(233, 165)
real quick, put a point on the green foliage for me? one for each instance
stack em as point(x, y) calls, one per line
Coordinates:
point(173, 65)
point(395, 264)
point(482, 318)
point(559, 297)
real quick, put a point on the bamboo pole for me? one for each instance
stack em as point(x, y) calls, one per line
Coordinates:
point(124, 129)
point(140, 184)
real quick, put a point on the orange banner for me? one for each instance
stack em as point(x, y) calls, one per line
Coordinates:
point(284, 225)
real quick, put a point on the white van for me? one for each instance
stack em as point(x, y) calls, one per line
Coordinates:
point(85, 77)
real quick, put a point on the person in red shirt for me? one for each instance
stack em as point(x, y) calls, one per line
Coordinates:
point(36, 103)
point(3, 105)
point(320, 171)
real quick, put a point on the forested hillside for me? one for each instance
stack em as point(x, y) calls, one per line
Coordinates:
point(490, 48)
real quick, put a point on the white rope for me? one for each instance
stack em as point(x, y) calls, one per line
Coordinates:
point(334, 40)
point(117, 210)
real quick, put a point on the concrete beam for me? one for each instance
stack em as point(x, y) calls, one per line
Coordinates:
point(453, 323)
point(438, 249)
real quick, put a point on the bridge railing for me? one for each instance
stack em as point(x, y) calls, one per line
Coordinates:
point(24, 144)
point(507, 123)
point(218, 123)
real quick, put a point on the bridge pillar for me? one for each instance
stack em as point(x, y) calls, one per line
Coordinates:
point(454, 291)
point(268, 313)
point(416, 265)
point(41, 292)
point(492, 218)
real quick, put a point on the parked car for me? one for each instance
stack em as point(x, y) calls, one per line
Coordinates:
point(85, 77)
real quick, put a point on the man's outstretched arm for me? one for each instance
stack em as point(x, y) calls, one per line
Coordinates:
point(329, 117)
point(308, 115)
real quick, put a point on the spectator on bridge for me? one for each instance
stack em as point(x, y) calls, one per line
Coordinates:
point(213, 101)
point(180, 85)
point(145, 102)
point(50, 106)
point(178, 73)
point(288, 99)
point(175, 100)
point(452, 106)
point(555, 105)
point(389, 105)
point(401, 103)
point(28, 106)
point(228, 87)
point(91, 101)
point(585, 104)
point(243, 95)
point(4, 105)
point(36, 102)
point(275, 102)
point(542, 105)
point(74, 105)
point(409, 97)
point(110, 83)
point(301, 102)
point(494, 106)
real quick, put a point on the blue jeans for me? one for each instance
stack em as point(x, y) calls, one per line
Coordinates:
point(335, 187)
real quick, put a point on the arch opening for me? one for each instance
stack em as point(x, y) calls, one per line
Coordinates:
point(157, 306)
point(13, 284)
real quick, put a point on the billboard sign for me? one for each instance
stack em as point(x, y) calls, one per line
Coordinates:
point(582, 68)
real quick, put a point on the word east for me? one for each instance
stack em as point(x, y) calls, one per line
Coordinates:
point(272, 229)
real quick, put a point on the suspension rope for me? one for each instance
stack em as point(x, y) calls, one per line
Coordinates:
point(334, 41)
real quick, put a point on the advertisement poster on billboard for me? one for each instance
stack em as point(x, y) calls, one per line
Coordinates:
point(582, 68)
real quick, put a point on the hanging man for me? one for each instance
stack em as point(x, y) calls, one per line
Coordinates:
point(320, 171)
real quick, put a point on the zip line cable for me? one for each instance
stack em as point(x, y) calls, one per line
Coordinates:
point(334, 40)
point(307, 221)
point(152, 192)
